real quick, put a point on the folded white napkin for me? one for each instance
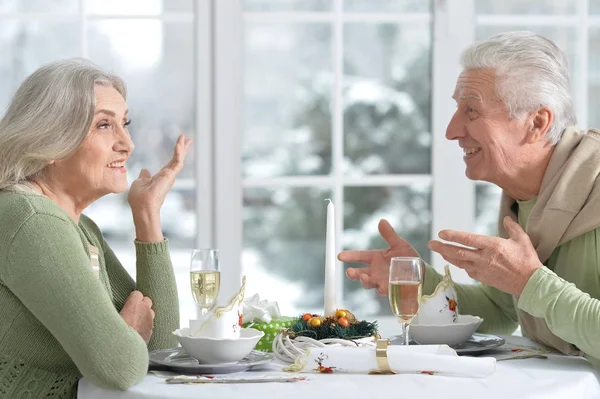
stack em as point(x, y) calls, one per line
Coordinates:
point(256, 310)
point(433, 359)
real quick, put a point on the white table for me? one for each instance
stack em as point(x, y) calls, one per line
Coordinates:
point(555, 377)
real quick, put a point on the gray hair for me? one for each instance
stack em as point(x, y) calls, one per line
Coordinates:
point(49, 117)
point(531, 72)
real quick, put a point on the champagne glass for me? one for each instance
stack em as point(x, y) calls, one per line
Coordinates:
point(405, 290)
point(205, 278)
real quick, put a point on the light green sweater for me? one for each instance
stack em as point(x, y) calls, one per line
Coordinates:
point(565, 293)
point(58, 320)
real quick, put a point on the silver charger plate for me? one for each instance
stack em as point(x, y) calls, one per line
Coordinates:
point(176, 359)
point(478, 343)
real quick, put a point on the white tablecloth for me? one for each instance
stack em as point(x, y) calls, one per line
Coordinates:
point(555, 377)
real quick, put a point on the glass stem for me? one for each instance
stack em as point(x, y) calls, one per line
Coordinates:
point(405, 328)
point(201, 311)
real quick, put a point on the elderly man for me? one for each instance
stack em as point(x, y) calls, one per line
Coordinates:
point(514, 120)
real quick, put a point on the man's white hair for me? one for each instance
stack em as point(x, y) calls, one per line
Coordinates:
point(531, 72)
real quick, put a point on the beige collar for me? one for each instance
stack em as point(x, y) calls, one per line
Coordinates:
point(568, 204)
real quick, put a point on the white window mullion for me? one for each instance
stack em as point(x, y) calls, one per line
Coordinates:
point(41, 16)
point(526, 20)
point(333, 17)
point(398, 18)
point(185, 183)
point(453, 196)
point(289, 17)
point(84, 11)
point(203, 140)
point(228, 95)
point(338, 137)
point(328, 181)
point(167, 17)
point(83, 28)
point(580, 85)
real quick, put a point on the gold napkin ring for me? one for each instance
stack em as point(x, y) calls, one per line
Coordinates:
point(381, 356)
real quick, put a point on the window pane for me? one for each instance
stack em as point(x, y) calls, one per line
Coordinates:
point(563, 37)
point(594, 78)
point(55, 6)
point(387, 5)
point(284, 246)
point(113, 215)
point(487, 205)
point(138, 7)
point(156, 61)
point(526, 7)
point(287, 100)
point(387, 98)
point(408, 209)
point(27, 45)
point(594, 6)
point(287, 5)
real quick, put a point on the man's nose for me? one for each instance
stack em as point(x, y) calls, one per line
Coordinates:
point(456, 129)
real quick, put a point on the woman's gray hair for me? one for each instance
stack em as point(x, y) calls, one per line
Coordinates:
point(531, 72)
point(49, 117)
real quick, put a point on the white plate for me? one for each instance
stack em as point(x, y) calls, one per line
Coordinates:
point(177, 360)
point(478, 343)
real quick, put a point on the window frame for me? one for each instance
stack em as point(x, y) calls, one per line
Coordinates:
point(219, 93)
point(453, 195)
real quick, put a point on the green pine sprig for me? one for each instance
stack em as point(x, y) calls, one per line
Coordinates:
point(330, 329)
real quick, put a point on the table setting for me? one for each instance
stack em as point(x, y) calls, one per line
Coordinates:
point(435, 349)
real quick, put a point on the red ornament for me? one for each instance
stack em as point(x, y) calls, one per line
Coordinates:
point(306, 316)
point(342, 321)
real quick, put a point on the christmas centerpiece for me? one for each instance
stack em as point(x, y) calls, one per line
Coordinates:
point(343, 324)
point(312, 330)
point(335, 326)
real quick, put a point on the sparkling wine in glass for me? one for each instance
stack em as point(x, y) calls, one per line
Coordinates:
point(405, 290)
point(205, 278)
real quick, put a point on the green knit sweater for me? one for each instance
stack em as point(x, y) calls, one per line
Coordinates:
point(60, 321)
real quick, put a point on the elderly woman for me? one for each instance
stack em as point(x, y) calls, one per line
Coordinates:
point(514, 120)
point(69, 308)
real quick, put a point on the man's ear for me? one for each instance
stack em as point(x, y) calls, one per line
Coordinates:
point(539, 123)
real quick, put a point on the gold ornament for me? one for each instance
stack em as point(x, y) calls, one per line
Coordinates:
point(314, 322)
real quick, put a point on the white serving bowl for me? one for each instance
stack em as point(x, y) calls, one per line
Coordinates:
point(452, 334)
point(219, 350)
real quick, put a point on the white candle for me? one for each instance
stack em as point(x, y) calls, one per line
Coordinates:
point(330, 262)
